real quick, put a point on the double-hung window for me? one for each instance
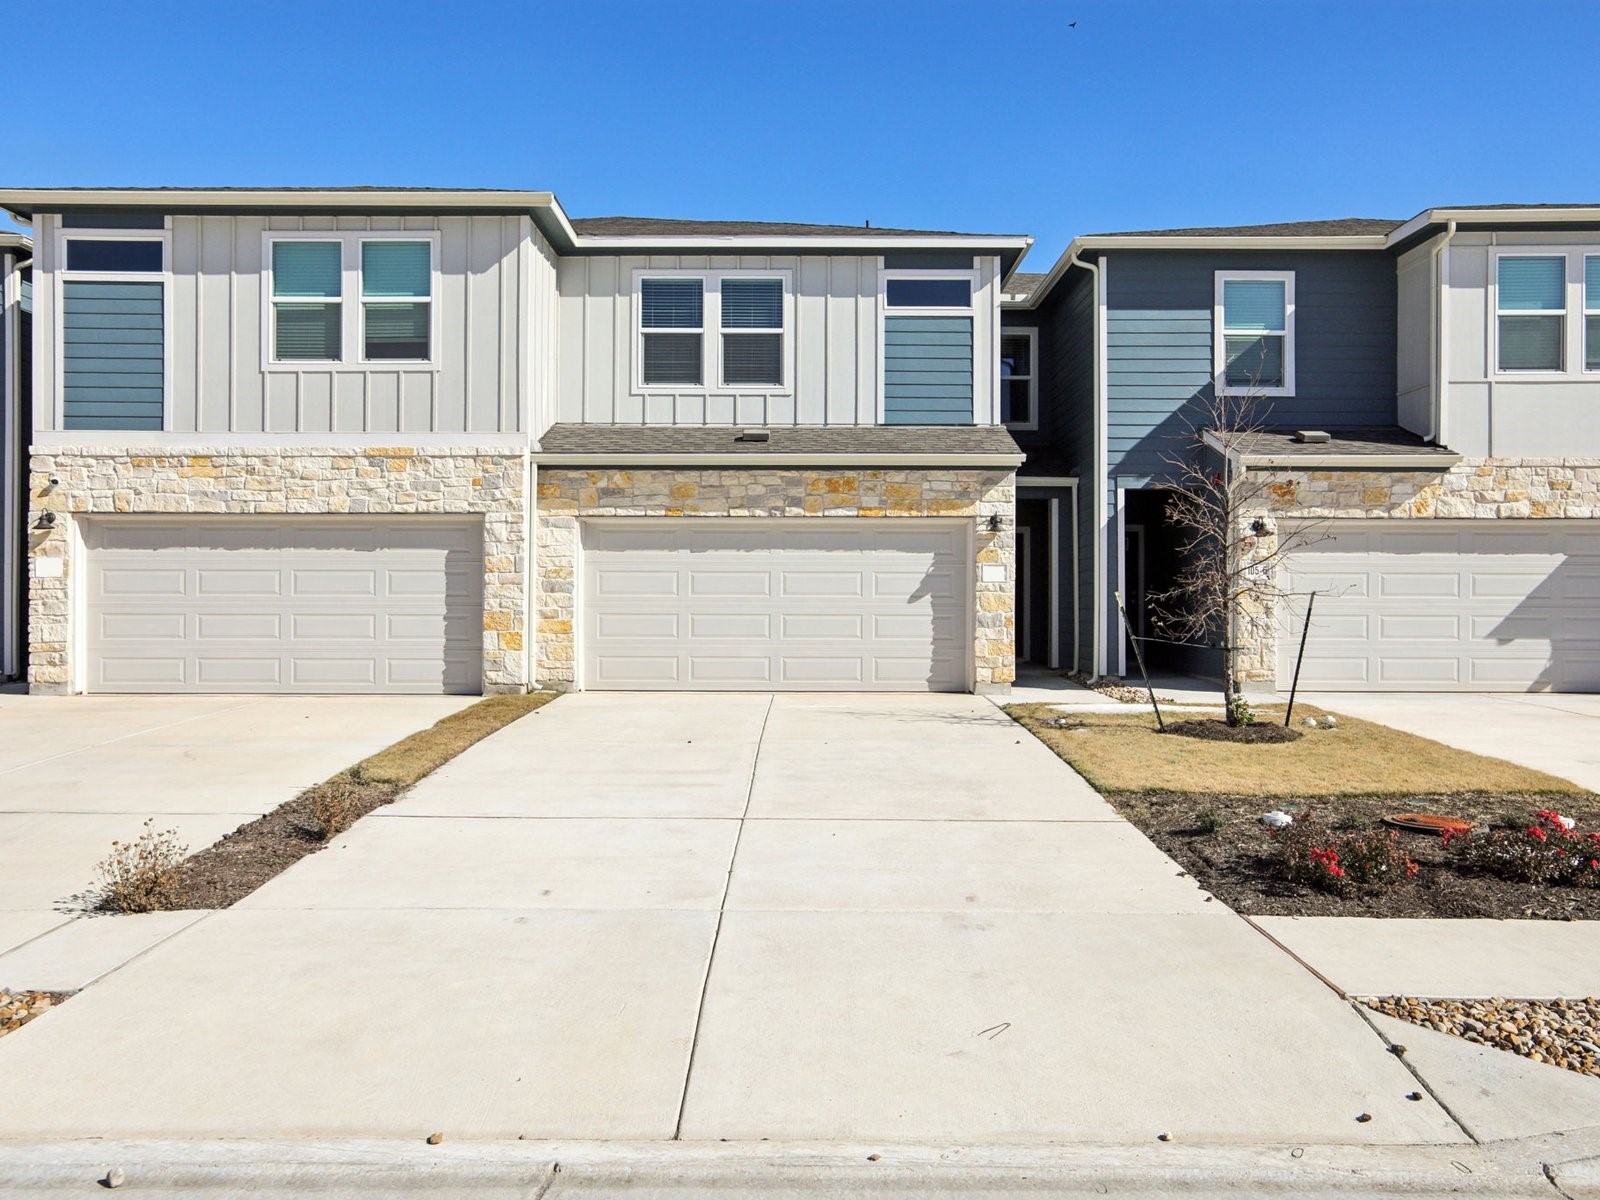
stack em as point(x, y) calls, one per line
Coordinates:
point(700, 330)
point(1019, 378)
point(1591, 313)
point(350, 299)
point(113, 330)
point(1254, 339)
point(1531, 312)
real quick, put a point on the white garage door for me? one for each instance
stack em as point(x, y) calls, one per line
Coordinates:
point(861, 605)
point(312, 604)
point(1449, 606)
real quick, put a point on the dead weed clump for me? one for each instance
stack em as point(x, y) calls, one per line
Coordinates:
point(142, 875)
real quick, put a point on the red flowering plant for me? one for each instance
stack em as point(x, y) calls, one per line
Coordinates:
point(1545, 852)
point(1310, 853)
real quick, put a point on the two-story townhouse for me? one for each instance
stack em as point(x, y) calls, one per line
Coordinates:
point(1441, 369)
point(16, 340)
point(419, 440)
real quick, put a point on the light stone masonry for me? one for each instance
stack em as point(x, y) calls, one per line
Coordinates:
point(398, 480)
point(566, 496)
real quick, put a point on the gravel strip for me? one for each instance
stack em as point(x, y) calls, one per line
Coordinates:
point(18, 1008)
point(1563, 1033)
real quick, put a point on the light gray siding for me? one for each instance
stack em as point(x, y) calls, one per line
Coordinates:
point(837, 372)
point(481, 381)
point(1509, 415)
point(1415, 349)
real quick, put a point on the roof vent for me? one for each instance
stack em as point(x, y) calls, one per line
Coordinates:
point(754, 435)
point(1312, 437)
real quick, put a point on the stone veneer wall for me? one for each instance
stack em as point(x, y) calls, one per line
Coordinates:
point(289, 481)
point(1473, 489)
point(566, 496)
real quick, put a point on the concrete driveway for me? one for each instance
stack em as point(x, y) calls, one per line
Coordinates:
point(77, 772)
point(1554, 732)
point(742, 917)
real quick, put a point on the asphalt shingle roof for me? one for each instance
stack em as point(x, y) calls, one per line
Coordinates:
point(645, 227)
point(1375, 440)
point(899, 441)
point(1339, 227)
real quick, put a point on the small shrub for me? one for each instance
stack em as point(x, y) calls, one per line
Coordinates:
point(1209, 821)
point(1239, 711)
point(1346, 822)
point(142, 875)
point(1312, 854)
point(1544, 852)
point(334, 808)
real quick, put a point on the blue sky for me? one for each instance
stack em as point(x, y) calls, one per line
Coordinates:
point(979, 115)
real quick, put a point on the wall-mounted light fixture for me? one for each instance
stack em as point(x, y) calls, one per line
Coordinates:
point(46, 519)
point(995, 523)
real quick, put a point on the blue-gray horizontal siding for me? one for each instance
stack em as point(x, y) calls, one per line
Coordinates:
point(1159, 346)
point(112, 353)
point(927, 370)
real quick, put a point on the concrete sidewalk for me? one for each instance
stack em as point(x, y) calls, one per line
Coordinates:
point(660, 918)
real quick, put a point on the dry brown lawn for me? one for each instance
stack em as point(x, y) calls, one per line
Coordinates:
point(424, 752)
point(1123, 752)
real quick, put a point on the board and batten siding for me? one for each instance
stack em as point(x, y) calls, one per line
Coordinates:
point(1159, 346)
point(838, 360)
point(482, 379)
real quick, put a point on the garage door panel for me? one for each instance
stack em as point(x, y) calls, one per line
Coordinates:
point(813, 605)
point(297, 604)
point(1510, 609)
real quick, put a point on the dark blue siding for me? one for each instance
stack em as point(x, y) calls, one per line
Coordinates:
point(1159, 346)
point(927, 371)
point(112, 347)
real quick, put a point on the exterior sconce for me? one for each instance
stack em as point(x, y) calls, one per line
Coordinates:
point(994, 523)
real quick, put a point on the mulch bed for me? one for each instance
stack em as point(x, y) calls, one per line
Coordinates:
point(1260, 733)
point(1235, 861)
point(18, 1008)
point(229, 870)
point(1562, 1033)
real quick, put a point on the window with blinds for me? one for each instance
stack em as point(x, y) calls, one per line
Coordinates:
point(705, 330)
point(307, 307)
point(1531, 311)
point(1591, 313)
point(350, 299)
point(1255, 340)
point(752, 332)
point(396, 300)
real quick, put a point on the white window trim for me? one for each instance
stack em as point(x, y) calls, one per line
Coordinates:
point(711, 332)
point(1032, 377)
point(352, 310)
point(1564, 312)
point(1586, 313)
point(163, 277)
point(1219, 335)
point(885, 274)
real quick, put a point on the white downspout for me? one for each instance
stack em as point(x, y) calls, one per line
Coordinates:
point(1441, 334)
point(1099, 617)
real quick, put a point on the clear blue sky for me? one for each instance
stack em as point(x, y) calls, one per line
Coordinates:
point(979, 115)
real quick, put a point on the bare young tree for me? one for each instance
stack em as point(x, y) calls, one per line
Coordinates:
point(1226, 591)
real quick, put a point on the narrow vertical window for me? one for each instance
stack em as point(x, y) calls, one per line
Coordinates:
point(672, 324)
point(1018, 379)
point(397, 300)
point(1531, 310)
point(1255, 334)
point(1591, 313)
point(307, 312)
point(752, 332)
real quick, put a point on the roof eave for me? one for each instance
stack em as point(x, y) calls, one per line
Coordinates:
point(1492, 216)
point(22, 203)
